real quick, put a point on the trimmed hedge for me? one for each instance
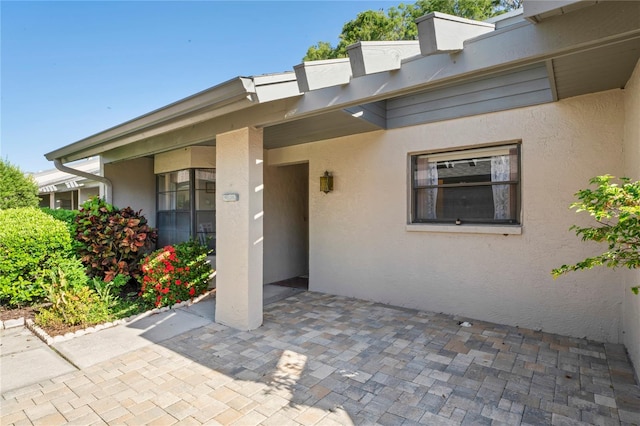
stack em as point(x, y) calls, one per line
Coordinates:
point(32, 243)
point(67, 216)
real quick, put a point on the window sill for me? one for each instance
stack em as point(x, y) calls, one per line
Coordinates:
point(466, 229)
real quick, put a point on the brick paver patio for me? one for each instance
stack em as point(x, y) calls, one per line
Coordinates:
point(321, 359)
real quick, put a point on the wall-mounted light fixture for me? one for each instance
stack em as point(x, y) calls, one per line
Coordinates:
point(326, 182)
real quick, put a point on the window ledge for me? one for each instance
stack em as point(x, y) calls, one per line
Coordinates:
point(466, 229)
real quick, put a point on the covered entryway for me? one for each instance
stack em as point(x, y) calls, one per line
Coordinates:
point(286, 225)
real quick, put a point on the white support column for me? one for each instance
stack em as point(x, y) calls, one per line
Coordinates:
point(239, 245)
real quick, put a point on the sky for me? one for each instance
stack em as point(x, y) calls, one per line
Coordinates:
point(70, 69)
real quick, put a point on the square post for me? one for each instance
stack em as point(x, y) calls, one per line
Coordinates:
point(239, 236)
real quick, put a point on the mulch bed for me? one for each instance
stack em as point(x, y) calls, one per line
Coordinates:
point(29, 312)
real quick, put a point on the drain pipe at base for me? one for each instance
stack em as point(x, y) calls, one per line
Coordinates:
point(108, 186)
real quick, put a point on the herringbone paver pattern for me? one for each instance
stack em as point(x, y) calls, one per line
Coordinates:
point(328, 360)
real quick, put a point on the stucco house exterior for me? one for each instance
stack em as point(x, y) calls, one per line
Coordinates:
point(454, 159)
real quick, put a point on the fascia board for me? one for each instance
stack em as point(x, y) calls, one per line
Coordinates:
point(538, 10)
point(58, 177)
point(512, 46)
point(192, 119)
point(199, 131)
point(223, 94)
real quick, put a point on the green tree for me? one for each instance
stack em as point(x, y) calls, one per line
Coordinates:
point(322, 50)
point(616, 210)
point(16, 189)
point(398, 23)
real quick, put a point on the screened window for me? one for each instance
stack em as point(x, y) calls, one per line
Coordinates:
point(470, 186)
point(186, 206)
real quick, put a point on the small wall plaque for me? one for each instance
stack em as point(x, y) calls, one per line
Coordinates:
point(230, 197)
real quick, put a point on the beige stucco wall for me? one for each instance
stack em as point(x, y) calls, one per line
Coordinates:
point(285, 222)
point(631, 153)
point(134, 185)
point(192, 157)
point(360, 245)
point(85, 193)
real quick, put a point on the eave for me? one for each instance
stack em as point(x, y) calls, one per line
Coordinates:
point(337, 98)
point(233, 95)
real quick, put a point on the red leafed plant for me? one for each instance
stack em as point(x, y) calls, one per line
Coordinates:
point(175, 273)
point(112, 241)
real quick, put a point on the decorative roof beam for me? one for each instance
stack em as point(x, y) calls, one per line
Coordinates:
point(319, 74)
point(368, 57)
point(609, 23)
point(270, 87)
point(442, 33)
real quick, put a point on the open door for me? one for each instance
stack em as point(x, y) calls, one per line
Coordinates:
point(286, 225)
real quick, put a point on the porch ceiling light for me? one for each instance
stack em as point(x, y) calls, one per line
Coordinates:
point(326, 182)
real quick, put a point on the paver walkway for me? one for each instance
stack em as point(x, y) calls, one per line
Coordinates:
point(322, 359)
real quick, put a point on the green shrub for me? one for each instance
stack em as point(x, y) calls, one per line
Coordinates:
point(175, 273)
point(615, 208)
point(112, 241)
point(16, 189)
point(31, 243)
point(72, 303)
point(109, 292)
point(67, 216)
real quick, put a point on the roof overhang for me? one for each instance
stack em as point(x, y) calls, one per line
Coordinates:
point(609, 24)
point(539, 10)
point(55, 180)
point(591, 49)
point(233, 95)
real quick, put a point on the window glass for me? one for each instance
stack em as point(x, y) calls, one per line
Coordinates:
point(206, 179)
point(186, 206)
point(472, 186)
point(45, 200)
point(64, 200)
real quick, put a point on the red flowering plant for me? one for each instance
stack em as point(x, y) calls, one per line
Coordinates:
point(174, 274)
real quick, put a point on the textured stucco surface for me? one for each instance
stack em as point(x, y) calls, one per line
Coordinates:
point(239, 228)
point(85, 193)
point(359, 245)
point(134, 185)
point(631, 303)
point(192, 157)
point(286, 190)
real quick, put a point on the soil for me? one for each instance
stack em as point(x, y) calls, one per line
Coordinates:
point(29, 312)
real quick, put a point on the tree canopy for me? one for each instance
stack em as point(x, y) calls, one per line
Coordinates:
point(398, 23)
point(16, 189)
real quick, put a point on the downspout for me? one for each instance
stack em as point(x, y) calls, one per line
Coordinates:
point(108, 186)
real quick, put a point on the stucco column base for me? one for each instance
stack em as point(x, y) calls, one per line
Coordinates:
point(239, 237)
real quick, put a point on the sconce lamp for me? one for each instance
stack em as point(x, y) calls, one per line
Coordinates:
point(326, 182)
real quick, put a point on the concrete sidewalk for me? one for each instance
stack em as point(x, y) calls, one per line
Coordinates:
point(26, 360)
